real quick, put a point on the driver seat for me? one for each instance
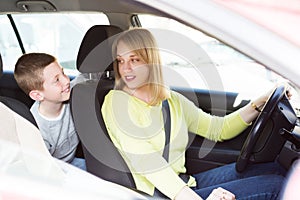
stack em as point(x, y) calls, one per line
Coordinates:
point(94, 61)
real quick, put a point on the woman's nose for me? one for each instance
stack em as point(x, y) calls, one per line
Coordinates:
point(127, 66)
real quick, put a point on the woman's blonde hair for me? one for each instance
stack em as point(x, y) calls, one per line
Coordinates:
point(143, 44)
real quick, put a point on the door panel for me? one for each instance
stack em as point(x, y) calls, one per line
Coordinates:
point(203, 154)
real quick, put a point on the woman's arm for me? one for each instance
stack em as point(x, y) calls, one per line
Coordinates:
point(252, 109)
point(233, 124)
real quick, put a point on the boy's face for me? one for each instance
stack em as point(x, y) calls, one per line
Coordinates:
point(56, 86)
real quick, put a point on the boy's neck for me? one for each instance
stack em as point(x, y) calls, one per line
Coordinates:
point(50, 110)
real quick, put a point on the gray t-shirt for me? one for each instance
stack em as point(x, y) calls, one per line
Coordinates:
point(59, 133)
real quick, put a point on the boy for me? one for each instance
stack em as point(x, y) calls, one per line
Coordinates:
point(41, 77)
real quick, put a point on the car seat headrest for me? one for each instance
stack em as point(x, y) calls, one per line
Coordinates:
point(95, 52)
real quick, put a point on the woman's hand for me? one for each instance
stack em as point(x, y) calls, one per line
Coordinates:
point(251, 110)
point(221, 194)
point(260, 101)
point(187, 193)
point(288, 93)
point(216, 194)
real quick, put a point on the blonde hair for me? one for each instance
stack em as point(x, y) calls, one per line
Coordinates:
point(143, 44)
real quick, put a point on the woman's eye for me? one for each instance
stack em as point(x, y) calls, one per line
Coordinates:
point(120, 61)
point(135, 60)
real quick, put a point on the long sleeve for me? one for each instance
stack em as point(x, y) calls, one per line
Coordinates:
point(137, 130)
point(139, 137)
point(212, 127)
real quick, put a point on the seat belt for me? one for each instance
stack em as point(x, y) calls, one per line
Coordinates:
point(167, 124)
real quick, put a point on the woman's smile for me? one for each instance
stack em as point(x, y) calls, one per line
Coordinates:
point(129, 78)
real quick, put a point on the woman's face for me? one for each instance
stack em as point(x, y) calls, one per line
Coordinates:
point(133, 71)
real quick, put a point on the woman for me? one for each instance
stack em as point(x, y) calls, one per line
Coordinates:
point(133, 116)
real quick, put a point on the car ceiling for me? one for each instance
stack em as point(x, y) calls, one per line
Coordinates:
point(106, 6)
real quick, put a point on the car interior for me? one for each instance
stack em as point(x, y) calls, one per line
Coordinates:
point(99, 150)
point(264, 141)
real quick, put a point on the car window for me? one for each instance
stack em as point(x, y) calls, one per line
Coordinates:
point(56, 34)
point(9, 46)
point(220, 67)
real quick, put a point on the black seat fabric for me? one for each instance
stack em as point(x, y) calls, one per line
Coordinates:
point(16, 105)
point(102, 158)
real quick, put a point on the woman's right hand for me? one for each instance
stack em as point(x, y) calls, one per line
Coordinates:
point(220, 193)
point(217, 194)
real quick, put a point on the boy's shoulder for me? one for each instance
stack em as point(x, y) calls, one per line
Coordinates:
point(65, 111)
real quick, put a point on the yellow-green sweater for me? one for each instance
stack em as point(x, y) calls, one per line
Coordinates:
point(137, 130)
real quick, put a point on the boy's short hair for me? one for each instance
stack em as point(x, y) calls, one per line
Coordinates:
point(29, 70)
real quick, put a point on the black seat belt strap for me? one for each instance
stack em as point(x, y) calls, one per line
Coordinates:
point(167, 124)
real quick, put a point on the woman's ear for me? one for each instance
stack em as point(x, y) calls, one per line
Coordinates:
point(36, 95)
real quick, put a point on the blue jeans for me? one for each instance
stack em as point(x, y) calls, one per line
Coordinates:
point(258, 182)
point(79, 162)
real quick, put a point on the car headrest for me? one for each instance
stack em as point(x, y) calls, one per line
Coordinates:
point(1, 66)
point(95, 52)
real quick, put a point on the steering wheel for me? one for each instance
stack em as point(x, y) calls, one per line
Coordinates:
point(258, 127)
